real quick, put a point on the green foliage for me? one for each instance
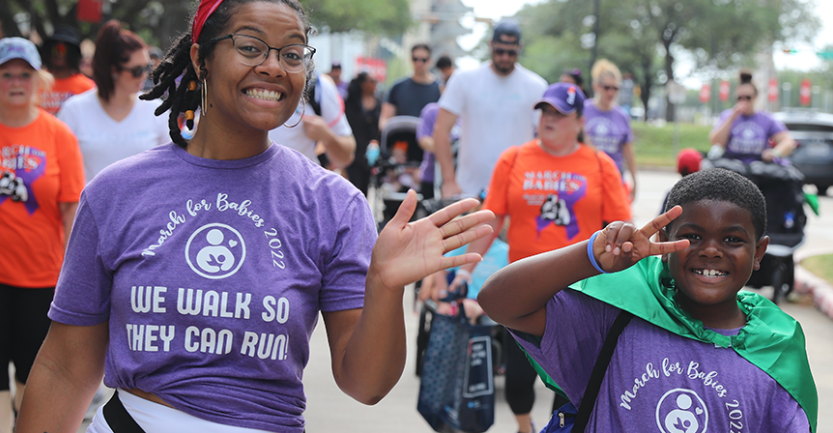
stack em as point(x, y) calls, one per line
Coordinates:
point(821, 266)
point(654, 145)
point(159, 21)
point(391, 17)
point(642, 36)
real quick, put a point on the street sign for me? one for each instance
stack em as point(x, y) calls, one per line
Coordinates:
point(724, 91)
point(772, 90)
point(676, 92)
point(705, 93)
point(804, 93)
point(88, 11)
point(377, 68)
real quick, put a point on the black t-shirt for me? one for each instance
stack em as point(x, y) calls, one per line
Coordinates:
point(409, 97)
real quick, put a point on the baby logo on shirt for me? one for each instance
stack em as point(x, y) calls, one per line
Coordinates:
point(215, 251)
point(682, 411)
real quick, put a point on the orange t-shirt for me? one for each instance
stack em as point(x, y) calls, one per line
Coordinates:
point(62, 90)
point(45, 156)
point(554, 201)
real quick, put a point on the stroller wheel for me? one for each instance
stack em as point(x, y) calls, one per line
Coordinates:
point(782, 283)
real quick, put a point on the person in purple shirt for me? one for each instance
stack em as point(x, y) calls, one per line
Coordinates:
point(746, 134)
point(606, 125)
point(699, 354)
point(196, 271)
point(425, 131)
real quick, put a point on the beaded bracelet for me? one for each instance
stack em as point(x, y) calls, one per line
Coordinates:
point(590, 254)
point(465, 274)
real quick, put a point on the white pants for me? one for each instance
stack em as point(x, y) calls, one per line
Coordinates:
point(157, 418)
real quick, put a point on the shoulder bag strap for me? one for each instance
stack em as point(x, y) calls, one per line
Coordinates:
point(588, 401)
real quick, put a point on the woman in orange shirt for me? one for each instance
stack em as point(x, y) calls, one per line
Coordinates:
point(41, 177)
point(555, 191)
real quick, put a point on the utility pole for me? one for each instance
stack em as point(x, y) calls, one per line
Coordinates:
point(595, 51)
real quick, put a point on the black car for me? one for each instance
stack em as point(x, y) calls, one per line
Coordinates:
point(813, 132)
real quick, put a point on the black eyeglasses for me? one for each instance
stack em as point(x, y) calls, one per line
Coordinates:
point(501, 51)
point(609, 88)
point(744, 98)
point(420, 59)
point(138, 71)
point(254, 51)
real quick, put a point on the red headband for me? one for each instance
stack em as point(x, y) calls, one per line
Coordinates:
point(205, 9)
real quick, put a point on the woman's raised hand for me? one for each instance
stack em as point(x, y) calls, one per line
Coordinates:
point(620, 245)
point(408, 251)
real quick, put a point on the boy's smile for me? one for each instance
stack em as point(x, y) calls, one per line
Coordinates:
point(723, 252)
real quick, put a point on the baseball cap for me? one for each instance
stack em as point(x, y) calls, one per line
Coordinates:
point(66, 34)
point(506, 27)
point(688, 161)
point(19, 48)
point(565, 97)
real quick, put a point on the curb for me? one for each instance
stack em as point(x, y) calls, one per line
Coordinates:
point(819, 289)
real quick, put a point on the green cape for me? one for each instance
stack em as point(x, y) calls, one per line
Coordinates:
point(771, 340)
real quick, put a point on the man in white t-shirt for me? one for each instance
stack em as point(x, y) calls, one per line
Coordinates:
point(496, 103)
point(321, 120)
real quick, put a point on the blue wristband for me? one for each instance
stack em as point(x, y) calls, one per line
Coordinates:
point(590, 254)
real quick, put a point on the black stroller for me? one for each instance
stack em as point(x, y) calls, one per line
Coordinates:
point(400, 156)
point(782, 188)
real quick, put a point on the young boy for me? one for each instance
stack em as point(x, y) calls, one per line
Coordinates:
point(698, 356)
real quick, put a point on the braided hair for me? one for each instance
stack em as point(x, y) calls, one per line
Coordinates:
point(179, 85)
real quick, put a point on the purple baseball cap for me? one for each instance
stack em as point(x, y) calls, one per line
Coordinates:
point(19, 48)
point(565, 97)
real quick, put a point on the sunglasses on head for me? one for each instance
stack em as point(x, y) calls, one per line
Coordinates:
point(744, 98)
point(137, 71)
point(420, 59)
point(501, 51)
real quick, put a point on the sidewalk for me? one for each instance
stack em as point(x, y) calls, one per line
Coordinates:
point(807, 283)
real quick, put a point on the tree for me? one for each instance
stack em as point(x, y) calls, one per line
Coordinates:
point(389, 17)
point(158, 22)
point(720, 33)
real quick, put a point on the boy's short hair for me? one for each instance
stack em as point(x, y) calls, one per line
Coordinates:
point(719, 184)
point(444, 62)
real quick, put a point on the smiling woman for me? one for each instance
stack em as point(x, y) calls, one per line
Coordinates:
point(258, 242)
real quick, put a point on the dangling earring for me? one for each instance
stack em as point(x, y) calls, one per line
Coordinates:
point(204, 97)
point(303, 111)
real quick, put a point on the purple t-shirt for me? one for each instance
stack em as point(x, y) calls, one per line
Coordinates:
point(608, 130)
point(427, 119)
point(656, 380)
point(750, 135)
point(212, 273)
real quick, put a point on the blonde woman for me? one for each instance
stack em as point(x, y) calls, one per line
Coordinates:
point(606, 125)
point(41, 177)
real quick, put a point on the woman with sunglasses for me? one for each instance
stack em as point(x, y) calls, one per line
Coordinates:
point(607, 126)
point(745, 134)
point(111, 123)
point(197, 270)
point(41, 177)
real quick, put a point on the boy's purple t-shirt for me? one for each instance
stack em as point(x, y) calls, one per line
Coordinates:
point(212, 274)
point(608, 130)
point(656, 380)
point(427, 119)
point(750, 135)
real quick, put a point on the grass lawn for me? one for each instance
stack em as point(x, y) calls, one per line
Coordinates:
point(655, 144)
point(821, 266)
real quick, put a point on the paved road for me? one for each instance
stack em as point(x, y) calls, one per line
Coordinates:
point(329, 410)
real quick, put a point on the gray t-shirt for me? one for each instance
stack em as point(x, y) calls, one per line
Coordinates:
point(409, 97)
